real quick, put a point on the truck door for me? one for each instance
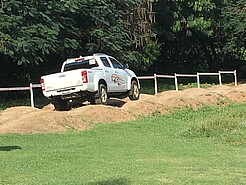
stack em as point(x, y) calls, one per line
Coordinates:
point(108, 71)
point(119, 76)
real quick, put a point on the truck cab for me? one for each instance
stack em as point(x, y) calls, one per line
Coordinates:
point(92, 78)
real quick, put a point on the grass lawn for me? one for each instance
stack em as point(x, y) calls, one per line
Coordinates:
point(206, 146)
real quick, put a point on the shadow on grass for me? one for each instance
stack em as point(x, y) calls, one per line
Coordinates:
point(9, 148)
point(120, 181)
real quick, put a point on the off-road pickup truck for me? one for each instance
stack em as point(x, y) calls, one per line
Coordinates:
point(93, 78)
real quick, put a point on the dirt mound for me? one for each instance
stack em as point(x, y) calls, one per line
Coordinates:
point(32, 120)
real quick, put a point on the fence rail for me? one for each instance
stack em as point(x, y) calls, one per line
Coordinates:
point(185, 75)
point(197, 76)
point(155, 76)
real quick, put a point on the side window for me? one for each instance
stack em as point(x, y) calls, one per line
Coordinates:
point(116, 64)
point(105, 61)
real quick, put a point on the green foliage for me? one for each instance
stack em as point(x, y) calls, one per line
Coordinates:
point(234, 26)
point(192, 16)
point(42, 34)
point(170, 36)
point(31, 30)
point(149, 54)
point(200, 35)
point(189, 42)
point(109, 32)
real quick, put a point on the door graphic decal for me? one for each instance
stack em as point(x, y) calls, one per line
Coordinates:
point(118, 80)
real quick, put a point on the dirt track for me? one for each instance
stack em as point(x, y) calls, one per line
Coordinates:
point(31, 120)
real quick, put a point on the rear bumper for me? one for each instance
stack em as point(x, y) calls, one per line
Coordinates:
point(68, 91)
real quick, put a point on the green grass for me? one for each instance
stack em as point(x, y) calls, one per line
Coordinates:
point(39, 102)
point(194, 85)
point(148, 86)
point(206, 146)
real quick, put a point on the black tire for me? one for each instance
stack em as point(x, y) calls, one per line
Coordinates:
point(92, 101)
point(92, 98)
point(134, 93)
point(60, 105)
point(102, 95)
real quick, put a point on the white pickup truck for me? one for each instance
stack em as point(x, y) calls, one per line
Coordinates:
point(93, 78)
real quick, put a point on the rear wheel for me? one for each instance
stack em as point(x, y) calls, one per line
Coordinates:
point(60, 105)
point(134, 93)
point(102, 95)
point(92, 98)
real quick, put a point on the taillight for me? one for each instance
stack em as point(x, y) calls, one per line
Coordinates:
point(84, 77)
point(42, 84)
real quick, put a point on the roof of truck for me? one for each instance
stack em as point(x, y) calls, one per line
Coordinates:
point(70, 60)
point(100, 54)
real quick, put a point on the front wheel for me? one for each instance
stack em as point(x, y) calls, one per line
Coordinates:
point(134, 93)
point(102, 96)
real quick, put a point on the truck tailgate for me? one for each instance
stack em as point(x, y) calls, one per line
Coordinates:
point(63, 81)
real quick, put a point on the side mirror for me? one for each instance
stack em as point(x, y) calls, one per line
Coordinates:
point(126, 66)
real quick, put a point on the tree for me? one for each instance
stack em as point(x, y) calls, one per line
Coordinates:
point(234, 28)
point(36, 36)
point(121, 28)
point(188, 32)
point(31, 30)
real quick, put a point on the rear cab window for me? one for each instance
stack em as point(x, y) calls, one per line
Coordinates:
point(81, 64)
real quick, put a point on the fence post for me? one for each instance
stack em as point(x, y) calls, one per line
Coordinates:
point(220, 81)
point(176, 82)
point(31, 94)
point(235, 76)
point(198, 80)
point(156, 88)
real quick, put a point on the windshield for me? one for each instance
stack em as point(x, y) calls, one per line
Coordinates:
point(82, 64)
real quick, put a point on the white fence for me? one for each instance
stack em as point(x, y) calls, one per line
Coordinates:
point(197, 76)
point(30, 88)
point(155, 76)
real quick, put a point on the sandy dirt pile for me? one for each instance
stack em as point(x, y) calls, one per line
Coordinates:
point(32, 120)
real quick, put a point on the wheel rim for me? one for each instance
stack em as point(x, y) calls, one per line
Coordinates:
point(135, 90)
point(104, 96)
